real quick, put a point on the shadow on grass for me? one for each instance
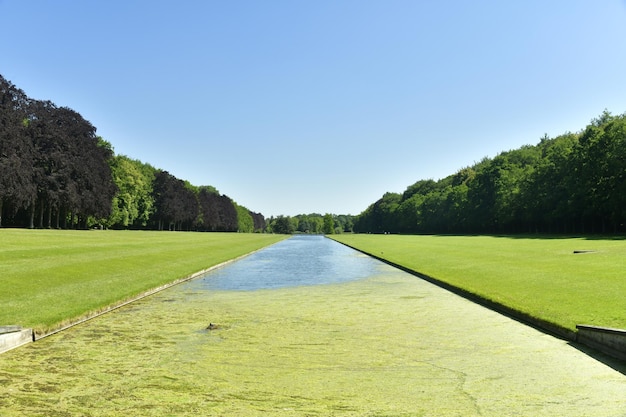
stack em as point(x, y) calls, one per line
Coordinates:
point(539, 236)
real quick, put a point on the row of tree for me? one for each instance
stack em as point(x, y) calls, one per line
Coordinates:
point(313, 223)
point(55, 172)
point(573, 183)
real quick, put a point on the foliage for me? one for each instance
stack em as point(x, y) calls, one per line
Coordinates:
point(176, 206)
point(313, 223)
point(282, 225)
point(574, 183)
point(56, 173)
point(52, 164)
point(133, 204)
point(17, 187)
point(245, 224)
point(329, 224)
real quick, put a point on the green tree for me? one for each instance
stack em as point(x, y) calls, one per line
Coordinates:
point(282, 225)
point(133, 204)
point(329, 224)
point(245, 223)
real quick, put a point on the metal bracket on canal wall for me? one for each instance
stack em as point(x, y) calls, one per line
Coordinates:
point(14, 336)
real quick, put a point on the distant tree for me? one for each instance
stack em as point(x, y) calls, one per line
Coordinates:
point(329, 224)
point(343, 223)
point(316, 223)
point(217, 212)
point(380, 217)
point(176, 204)
point(259, 221)
point(133, 204)
point(283, 225)
point(245, 224)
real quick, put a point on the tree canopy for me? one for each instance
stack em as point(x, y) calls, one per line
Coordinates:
point(56, 172)
point(573, 183)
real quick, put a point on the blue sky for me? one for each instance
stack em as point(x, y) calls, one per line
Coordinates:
point(295, 107)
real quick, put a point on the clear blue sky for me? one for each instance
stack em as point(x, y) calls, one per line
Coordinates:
point(321, 106)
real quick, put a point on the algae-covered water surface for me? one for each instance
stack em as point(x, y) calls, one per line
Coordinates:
point(379, 343)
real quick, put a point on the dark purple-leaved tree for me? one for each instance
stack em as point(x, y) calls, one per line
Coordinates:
point(17, 189)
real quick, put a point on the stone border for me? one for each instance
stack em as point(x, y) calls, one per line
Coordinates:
point(29, 335)
point(138, 297)
point(605, 339)
point(14, 336)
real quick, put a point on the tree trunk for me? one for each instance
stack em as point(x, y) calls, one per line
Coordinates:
point(50, 216)
point(31, 225)
point(1, 212)
point(41, 214)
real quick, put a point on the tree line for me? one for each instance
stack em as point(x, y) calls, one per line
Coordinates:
point(573, 183)
point(55, 172)
point(313, 223)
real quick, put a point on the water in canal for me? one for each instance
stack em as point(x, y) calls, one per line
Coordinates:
point(297, 261)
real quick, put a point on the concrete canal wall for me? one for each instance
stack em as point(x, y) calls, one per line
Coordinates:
point(14, 336)
point(605, 339)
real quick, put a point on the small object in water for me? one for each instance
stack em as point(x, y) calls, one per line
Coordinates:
point(212, 326)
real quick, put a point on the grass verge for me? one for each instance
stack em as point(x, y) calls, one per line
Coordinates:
point(542, 278)
point(50, 278)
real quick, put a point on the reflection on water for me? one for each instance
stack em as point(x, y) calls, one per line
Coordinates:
point(300, 260)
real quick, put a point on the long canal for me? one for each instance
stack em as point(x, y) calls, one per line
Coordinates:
point(306, 327)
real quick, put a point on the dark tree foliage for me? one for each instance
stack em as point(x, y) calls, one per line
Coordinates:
point(70, 168)
point(55, 172)
point(17, 187)
point(217, 212)
point(259, 221)
point(51, 164)
point(574, 183)
point(176, 205)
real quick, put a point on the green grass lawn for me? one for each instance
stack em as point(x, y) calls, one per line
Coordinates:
point(50, 277)
point(542, 277)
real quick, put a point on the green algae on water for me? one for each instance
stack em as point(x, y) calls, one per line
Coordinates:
point(391, 345)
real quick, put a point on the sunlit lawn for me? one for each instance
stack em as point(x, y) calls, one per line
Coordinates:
point(50, 277)
point(539, 276)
